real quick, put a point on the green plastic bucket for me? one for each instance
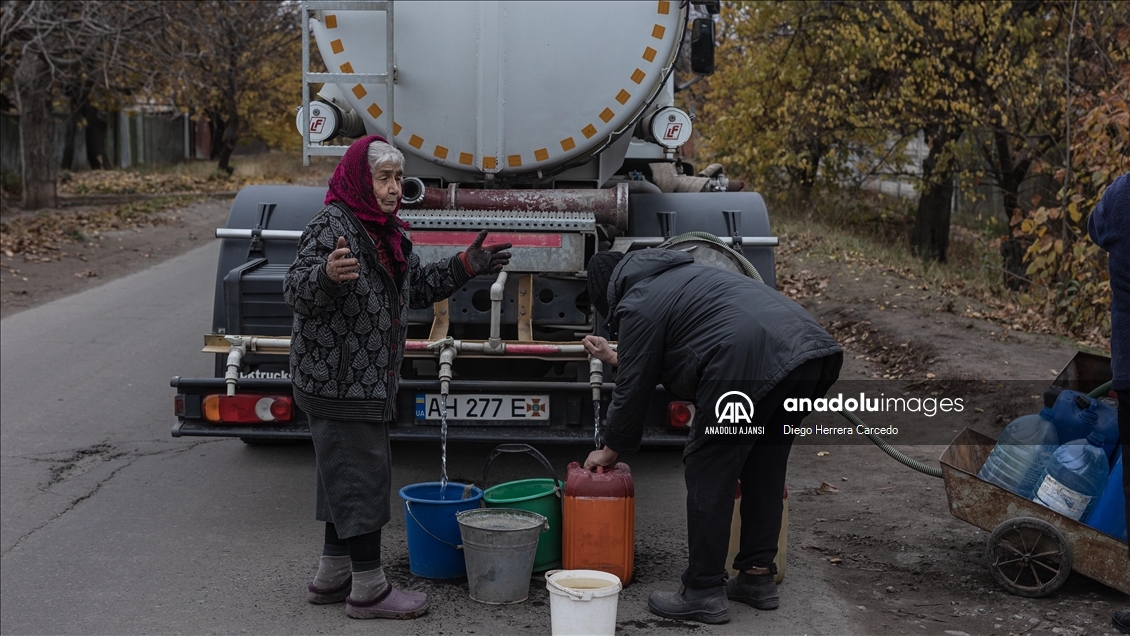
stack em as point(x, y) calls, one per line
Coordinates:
point(541, 496)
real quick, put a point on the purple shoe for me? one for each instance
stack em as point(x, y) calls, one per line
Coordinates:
point(393, 603)
point(327, 595)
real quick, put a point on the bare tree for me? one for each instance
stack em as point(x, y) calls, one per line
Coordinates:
point(51, 45)
point(233, 59)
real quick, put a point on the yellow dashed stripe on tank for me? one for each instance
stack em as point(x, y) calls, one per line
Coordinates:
point(658, 31)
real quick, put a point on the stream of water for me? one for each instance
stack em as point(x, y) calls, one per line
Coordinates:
point(443, 446)
point(596, 423)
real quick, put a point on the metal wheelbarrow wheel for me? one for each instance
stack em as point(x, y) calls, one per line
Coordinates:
point(1029, 557)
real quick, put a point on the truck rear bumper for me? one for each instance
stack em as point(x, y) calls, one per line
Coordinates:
point(410, 432)
point(564, 430)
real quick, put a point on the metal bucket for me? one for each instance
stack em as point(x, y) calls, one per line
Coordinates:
point(499, 546)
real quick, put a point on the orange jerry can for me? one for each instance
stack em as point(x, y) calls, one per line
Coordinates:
point(599, 521)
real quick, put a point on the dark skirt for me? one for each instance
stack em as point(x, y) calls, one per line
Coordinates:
point(354, 474)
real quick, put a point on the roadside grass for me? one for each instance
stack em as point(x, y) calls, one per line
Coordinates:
point(148, 190)
point(873, 230)
point(41, 237)
point(876, 228)
point(197, 176)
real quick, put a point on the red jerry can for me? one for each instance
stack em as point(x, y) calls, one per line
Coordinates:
point(599, 523)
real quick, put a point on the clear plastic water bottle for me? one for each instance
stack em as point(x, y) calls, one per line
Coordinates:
point(1075, 477)
point(1018, 460)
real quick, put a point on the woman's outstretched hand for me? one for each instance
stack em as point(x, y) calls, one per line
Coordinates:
point(486, 260)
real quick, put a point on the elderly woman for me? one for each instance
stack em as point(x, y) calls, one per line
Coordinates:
point(350, 286)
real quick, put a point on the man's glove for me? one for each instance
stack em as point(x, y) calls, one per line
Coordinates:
point(485, 260)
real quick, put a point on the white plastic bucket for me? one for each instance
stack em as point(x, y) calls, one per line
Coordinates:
point(582, 602)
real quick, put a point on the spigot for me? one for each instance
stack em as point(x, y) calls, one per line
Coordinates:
point(446, 359)
point(235, 362)
point(596, 376)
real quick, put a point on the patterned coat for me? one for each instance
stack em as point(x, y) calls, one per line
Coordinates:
point(347, 342)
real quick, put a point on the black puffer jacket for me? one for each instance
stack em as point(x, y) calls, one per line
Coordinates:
point(701, 332)
point(348, 339)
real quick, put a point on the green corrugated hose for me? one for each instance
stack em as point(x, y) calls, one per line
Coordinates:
point(750, 270)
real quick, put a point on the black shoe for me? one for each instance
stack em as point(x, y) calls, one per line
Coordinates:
point(704, 606)
point(756, 590)
point(1121, 621)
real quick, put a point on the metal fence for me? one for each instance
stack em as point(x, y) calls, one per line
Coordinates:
point(133, 138)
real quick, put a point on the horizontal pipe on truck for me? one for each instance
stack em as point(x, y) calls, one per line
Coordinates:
point(608, 205)
point(215, 343)
point(276, 385)
point(236, 233)
point(645, 241)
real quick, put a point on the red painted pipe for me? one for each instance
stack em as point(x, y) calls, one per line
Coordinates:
point(531, 349)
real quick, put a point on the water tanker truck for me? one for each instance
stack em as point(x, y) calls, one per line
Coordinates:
point(551, 124)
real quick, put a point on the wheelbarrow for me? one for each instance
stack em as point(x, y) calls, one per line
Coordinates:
point(1032, 549)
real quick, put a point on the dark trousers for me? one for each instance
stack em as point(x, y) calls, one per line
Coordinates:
point(1124, 439)
point(713, 470)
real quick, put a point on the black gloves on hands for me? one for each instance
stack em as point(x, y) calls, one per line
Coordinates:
point(486, 260)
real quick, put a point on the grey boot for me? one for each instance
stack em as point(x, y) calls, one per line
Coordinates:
point(332, 582)
point(373, 597)
point(705, 606)
point(755, 588)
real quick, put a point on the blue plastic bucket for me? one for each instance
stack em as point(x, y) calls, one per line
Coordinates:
point(433, 531)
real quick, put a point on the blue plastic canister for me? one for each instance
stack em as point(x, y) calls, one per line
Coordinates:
point(1077, 415)
point(1109, 513)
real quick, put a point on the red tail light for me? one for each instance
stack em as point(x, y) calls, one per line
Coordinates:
point(247, 408)
point(680, 414)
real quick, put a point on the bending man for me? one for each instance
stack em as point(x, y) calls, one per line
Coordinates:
point(723, 341)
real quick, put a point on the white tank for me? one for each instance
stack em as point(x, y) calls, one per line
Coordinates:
point(506, 87)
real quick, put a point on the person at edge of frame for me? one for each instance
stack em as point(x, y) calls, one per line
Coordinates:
point(1109, 227)
point(706, 334)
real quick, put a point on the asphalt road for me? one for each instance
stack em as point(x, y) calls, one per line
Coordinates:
point(111, 526)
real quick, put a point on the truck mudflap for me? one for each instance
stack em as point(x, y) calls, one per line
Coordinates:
point(568, 401)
